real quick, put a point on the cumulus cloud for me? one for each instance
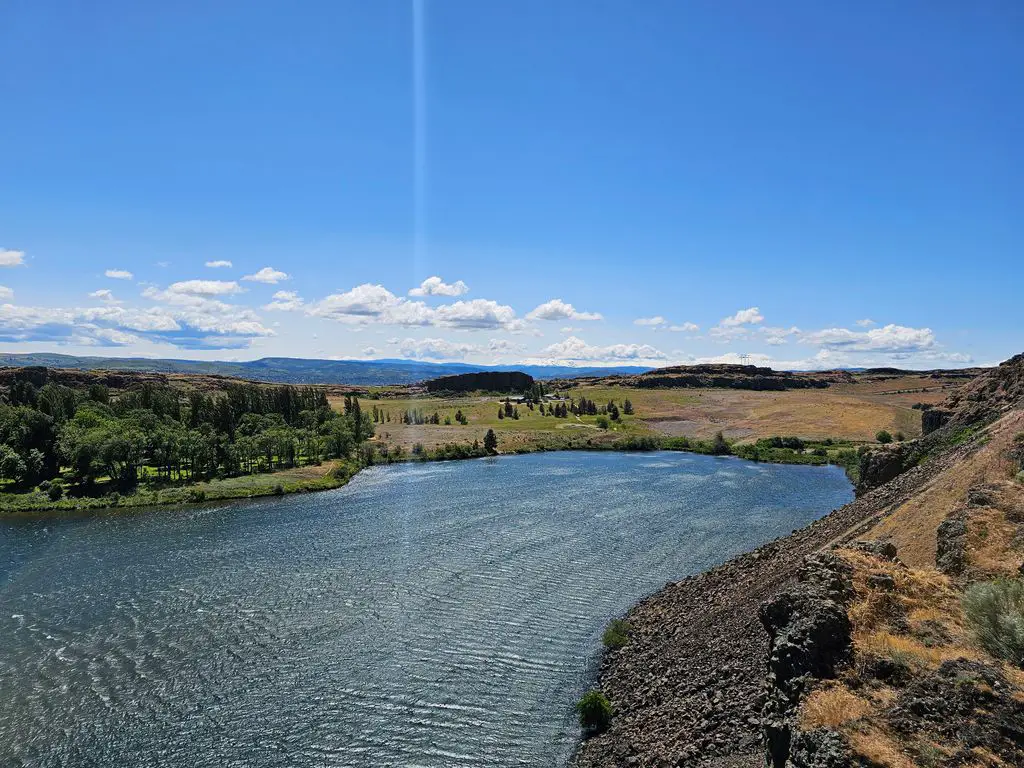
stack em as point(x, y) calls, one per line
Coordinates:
point(888, 339)
point(651, 322)
point(105, 295)
point(435, 349)
point(219, 264)
point(556, 309)
point(743, 317)
point(435, 286)
point(9, 258)
point(659, 323)
point(5, 292)
point(575, 348)
point(364, 303)
point(777, 336)
point(369, 303)
point(267, 275)
point(370, 352)
point(867, 322)
point(285, 301)
point(205, 288)
point(119, 274)
point(476, 314)
point(446, 349)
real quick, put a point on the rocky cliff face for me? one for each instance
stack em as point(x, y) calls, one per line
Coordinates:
point(809, 635)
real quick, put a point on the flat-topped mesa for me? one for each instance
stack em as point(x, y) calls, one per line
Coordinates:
point(490, 381)
point(725, 376)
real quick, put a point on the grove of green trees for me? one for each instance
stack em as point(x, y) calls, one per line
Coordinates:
point(158, 434)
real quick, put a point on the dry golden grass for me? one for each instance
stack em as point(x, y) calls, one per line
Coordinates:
point(913, 525)
point(832, 706)
point(991, 548)
point(880, 747)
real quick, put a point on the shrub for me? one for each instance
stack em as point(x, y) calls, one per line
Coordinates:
point(55, 492)
point(602, 422)
point(278, 490)
point(720, 447)
point(595, 711)
point(995, 612)
point(616, 634)
point(900, 437)
point(196, 495)
point(883, 437)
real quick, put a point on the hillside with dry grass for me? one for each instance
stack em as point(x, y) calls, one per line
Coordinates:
point(895, 625)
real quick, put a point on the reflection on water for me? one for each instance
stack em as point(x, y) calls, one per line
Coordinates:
point(432, 615)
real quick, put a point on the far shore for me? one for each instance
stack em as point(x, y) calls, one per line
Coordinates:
point(337, 473)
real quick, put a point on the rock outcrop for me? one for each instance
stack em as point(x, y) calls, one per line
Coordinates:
point(809, 637)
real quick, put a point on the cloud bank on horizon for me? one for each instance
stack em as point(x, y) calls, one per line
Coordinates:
point(201, 315)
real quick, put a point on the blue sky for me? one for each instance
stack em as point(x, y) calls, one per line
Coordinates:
point(811, 184)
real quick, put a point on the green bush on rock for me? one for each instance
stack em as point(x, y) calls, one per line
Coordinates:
point(616, 634)
point(595, 712)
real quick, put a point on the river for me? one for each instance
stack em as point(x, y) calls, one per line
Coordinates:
point(443, 614)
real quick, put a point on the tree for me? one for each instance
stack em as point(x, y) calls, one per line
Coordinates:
point(491, 442)
point(719, 446)
point(627, 407)
point(883, 437)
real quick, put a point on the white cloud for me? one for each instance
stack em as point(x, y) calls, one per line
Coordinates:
point(364, 303)
point(105, 295)
point(659, 323)
point(435, 349)
point(119, 274)
point(477, 314)
point(370, 352)
point(5, 292)
point(777, 336)
point(9, 258)
point(556, 309)
point(267, 275)
point(435, 286)
point(743, 317)
point(574, 348)
point(569, 329)
point(504, 347)
point(205, 288)
point(867, 322)
point(285, 301)
point(888, 339)
point(374, 303)
point(219, 264)
point(651, 322)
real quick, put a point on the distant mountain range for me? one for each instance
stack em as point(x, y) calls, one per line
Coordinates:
point(293, 370)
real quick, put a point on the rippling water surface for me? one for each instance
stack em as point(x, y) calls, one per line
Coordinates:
point(431, 615)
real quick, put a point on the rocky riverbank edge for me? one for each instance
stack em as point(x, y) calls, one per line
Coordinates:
point(688, 689)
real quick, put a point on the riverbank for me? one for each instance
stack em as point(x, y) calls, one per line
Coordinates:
point(324, 477)
point(336, 473)
point(687, 688)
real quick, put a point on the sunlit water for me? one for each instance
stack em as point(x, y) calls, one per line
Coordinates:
point(432, 615)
